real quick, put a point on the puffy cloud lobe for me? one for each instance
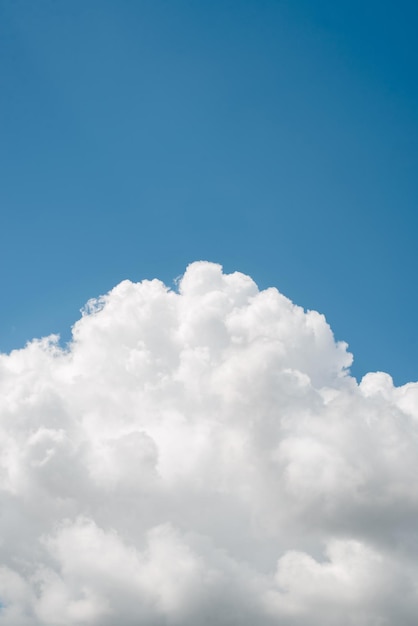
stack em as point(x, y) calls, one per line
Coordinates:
point(203, 457)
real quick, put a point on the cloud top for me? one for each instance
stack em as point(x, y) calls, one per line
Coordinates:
point(203, 457)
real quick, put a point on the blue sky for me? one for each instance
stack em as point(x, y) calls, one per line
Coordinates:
point(276, 138)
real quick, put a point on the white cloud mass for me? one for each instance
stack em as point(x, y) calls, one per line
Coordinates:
point(204, 458)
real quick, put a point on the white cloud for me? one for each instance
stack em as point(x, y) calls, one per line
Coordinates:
point(204, 458)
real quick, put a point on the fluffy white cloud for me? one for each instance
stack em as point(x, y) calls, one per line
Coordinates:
point(204, 458)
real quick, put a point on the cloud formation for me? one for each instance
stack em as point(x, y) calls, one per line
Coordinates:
point(204, 458)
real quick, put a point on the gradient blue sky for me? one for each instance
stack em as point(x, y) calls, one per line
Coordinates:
point(276, 138)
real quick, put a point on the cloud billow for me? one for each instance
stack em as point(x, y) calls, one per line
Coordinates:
point(204, 458)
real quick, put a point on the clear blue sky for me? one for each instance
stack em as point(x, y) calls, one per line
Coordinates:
point(277, 138)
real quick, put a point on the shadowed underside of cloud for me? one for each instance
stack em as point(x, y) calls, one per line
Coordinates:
point(204, 458)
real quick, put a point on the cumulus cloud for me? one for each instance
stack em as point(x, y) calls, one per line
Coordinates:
point(203, 457)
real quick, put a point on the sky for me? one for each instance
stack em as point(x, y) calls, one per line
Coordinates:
point(278, 139)
point(208, 313)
